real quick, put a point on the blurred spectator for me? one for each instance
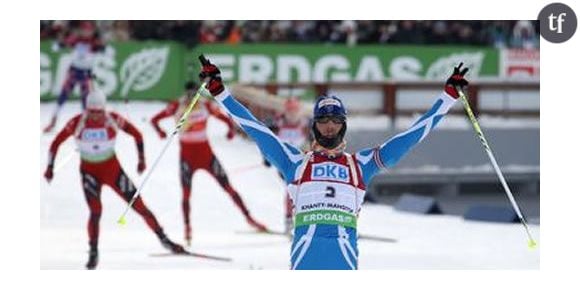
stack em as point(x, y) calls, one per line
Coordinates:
point(408, 33)
point(323, 31)
point(440, 33)
point(53, 29)
point(386, 32)
point(251, 31)
point(115, 30)
point(524, 35)
point(186, 32)
point(235, 35)
point(367, 31)
point(349, 28)
point(497, 33)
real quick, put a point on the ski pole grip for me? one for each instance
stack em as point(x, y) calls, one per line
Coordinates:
point(203, 60)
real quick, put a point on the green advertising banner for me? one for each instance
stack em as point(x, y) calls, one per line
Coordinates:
point(158, 69)
point(283, 63)
point(134, 70)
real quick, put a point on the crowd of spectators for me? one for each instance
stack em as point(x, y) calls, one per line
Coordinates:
point(495, 33)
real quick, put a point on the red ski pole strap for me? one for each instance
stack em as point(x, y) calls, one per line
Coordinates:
point(327, 217)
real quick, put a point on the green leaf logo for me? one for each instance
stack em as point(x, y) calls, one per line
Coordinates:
point(443, 67)
point(142, 70)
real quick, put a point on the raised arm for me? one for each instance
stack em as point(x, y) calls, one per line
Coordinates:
point(169, 111)
point(285, 157)
point(388, 154)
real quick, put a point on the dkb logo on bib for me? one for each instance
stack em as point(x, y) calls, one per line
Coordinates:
point(330, 171)
point(94, 134)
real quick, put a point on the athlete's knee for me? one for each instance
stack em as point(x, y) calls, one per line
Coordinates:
point(185, 175)
point(185, 202)
point(218, 171)
point(91, 186)
point(62, 97)
point(95, 215)
point(125, 186)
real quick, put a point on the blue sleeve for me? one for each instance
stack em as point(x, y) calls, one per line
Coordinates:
point(284, 156)
point(388, 154)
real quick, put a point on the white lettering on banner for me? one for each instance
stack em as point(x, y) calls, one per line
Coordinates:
point(330, 171)
point(405, 67)
point(104, 70)
point(255, 68)
point(45, 75)
point(226, 64)
point(370, 70)
point(336, 66)
point(284, 68)
point(143, 69)
point(287, 63)
point(315, 217)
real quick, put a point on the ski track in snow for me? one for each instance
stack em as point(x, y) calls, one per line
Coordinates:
point(423, 242)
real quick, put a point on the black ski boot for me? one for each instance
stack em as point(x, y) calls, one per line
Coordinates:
point(168, 244)
point(93, 259)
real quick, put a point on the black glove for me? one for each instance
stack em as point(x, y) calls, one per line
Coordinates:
point(141, 165)
point(48, 173)
point(215, 85)
point(456, 80)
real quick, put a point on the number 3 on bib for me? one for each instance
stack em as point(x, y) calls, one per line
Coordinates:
point(330, 191)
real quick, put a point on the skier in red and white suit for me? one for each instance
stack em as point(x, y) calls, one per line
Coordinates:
point(196, 153)
point(293, 128)
point(95, 131)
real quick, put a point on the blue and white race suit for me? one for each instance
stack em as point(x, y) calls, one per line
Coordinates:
point(327, 193)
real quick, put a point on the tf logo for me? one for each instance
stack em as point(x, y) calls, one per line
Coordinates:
point(557, 22)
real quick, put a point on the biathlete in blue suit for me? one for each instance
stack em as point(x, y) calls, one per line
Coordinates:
point(326, 184)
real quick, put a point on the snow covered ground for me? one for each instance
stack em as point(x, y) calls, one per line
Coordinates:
point(422, 242)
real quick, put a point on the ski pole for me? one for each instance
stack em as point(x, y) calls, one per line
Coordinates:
point(246, 168)
point(479, 132)
point(64, 161)
point(184, 116)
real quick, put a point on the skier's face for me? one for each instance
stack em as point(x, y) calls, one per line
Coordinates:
point(329, 127)
point(292, 116)
point(96, 115)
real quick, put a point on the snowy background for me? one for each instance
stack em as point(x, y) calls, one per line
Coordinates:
point(422, 242)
